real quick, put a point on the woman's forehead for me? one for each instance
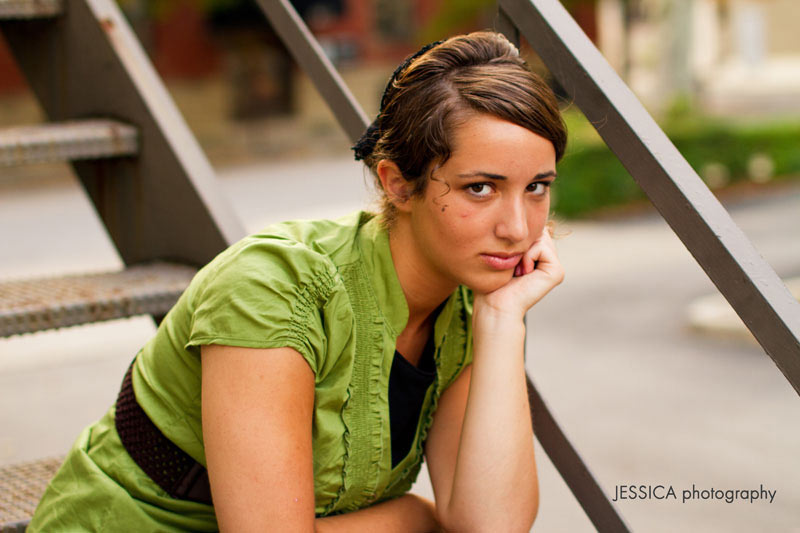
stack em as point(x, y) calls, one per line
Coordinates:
point(487, 144)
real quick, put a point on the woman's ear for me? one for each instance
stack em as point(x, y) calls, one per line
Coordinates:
point(397, 189)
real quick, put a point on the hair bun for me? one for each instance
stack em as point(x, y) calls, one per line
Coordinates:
point(366, 144)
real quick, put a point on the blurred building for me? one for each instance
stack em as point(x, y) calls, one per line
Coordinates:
point(729, 56)
point(195, 39)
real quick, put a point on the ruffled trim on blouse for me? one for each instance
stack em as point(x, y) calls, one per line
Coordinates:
point(449, 366)
point(363, 408)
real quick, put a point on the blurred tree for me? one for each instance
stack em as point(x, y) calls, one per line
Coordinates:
point(456, 16)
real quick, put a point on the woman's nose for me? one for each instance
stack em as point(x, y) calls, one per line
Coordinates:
point(513, 222)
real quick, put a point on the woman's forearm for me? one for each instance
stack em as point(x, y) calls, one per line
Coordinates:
point(407, 514)
point(495, 486)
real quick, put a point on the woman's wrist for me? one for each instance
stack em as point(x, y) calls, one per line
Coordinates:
point(493, 330)
point(487, 317)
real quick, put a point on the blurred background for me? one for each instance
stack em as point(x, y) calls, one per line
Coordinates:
point(650, 373)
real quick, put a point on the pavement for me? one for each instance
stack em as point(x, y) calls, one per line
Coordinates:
point(713, 315)
point(646, 398)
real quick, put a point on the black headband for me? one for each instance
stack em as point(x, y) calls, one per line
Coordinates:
point(366, 144)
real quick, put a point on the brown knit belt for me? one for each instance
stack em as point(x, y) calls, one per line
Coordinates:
point(165, 463)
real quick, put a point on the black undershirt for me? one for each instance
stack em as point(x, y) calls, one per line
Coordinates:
point(407, 387)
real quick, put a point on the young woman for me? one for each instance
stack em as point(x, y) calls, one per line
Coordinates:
point(303, 375)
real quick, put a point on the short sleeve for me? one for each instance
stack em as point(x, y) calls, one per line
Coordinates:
point(264, 293)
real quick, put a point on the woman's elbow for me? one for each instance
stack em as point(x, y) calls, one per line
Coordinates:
point(513, 518)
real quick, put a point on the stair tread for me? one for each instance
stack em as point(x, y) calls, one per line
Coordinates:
point(64, 141)
point(35, 305)
point(21, 488)
point(29, 9)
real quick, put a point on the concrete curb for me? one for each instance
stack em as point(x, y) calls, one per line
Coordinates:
point(713, 315)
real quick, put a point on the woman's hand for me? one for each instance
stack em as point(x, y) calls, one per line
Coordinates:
point(480, 448)
point(538, 272)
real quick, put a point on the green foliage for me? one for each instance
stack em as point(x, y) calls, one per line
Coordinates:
point(455, 16)
point(591, 177)
point(161, 9)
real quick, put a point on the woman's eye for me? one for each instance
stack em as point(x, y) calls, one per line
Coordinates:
point(480, 189)
point(538, 188)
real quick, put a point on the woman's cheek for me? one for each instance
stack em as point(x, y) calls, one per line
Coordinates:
point(453, 226)
point(537, 223)
point(464, 210)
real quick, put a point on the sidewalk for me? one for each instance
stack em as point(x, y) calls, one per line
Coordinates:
point(643, 398)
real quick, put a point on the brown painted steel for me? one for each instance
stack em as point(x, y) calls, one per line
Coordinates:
point(503, 24)
point(38, 304)
point(749, 284)
point(163, 204)
point(311, 58)
point(571, 467)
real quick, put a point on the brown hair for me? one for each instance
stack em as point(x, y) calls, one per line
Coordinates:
point(479, 72)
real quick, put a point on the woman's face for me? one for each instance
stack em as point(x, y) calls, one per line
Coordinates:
point(486, 205)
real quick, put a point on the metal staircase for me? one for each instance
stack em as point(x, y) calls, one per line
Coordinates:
point(110, 117)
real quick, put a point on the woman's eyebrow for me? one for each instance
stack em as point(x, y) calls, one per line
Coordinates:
point(493, 176)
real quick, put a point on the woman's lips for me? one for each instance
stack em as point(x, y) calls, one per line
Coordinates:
point(501, 262)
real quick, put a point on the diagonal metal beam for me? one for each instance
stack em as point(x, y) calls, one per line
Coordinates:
point(571, 467)
point(309, 55)
point(749, 284)
point(503, 24)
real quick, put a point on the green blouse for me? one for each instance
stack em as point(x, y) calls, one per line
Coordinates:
point(329, 290)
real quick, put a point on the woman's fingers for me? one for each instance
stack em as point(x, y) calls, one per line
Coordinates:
point(529, 260)
point(547, 259)
point(540, 255)
point(543, 271)
point(538, 271)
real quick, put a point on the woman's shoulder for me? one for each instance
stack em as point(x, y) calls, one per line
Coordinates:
point(303, 250)
point(268, 290)
point(328, 237)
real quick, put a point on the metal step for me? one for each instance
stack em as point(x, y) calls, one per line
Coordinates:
point(29, 9)
point(35, 305)
point(21, 488)
point(66, 141)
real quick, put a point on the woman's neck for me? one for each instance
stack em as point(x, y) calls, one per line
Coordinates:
point(424, 288)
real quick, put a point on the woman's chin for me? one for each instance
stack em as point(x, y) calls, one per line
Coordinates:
point(487, 283)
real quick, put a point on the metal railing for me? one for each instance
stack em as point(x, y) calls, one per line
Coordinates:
point(750, 285)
